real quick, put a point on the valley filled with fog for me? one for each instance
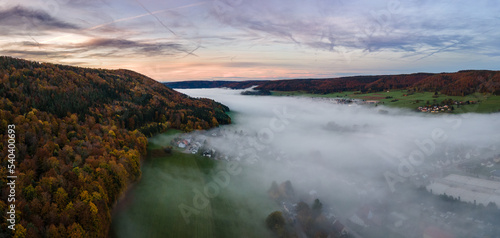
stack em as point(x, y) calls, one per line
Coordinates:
point(370, 166)
point(320, 144)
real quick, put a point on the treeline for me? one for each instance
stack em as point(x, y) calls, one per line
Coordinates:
point(214, 84)
point(80, 136)
point(461, 83)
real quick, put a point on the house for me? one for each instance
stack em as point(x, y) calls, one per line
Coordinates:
point(194, 150)
point(209, 153)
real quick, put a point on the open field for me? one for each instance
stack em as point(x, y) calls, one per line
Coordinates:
point(160, 140)
point(397, 98)
point(152, 208)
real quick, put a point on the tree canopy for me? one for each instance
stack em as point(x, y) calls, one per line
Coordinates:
point(80, 136)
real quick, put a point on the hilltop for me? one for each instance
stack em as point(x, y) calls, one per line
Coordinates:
point(80, 134)
point(460, 83)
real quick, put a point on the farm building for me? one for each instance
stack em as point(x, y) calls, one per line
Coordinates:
point(467, 189)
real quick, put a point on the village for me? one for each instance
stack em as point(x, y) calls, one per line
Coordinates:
point(197, 143)
point(247, 150)
point(446, 106)
point(435, 109)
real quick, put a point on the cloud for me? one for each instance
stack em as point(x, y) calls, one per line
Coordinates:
point(96, 49)
point(140, 47)
point(85, 3)
point(412, 26)
point(23, 20)
point(100, 47)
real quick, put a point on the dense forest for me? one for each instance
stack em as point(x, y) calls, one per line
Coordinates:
point(461, 83)
point(215, 84)
point(80, 134)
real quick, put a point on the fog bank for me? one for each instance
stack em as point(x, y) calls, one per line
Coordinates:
point(347, 155)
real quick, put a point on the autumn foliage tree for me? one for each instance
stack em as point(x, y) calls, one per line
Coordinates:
point(461, 83)
point(80, 136)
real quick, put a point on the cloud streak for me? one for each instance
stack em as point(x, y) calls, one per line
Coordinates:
point(397, 26)
point(321, 37)
point(19, 19)
point(137, 46)
point(100, 47)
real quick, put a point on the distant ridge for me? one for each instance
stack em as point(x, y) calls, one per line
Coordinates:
point(460, 83)
point(214, 84)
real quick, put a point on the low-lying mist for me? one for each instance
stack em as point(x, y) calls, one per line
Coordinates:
point(346, 155)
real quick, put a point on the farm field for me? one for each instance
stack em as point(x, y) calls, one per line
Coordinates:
point(152, 206)
point(401, 98)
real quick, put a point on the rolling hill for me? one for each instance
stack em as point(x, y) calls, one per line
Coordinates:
point(453, 84)
point(80, 134)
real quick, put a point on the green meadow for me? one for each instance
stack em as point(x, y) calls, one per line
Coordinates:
point(153, 206)
point(402, 99)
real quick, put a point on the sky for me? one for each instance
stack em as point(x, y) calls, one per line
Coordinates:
point(179, 40)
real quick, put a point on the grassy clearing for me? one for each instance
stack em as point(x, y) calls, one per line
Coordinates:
point(153, 210)
point(158, 141)
point(397, 98)
point(152, 207)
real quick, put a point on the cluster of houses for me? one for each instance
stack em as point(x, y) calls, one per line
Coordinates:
point(181, 143)
point(196, 144)
point(371, 102)
point(344, 101)
point(435, 109)
point(489, 168)
point(447, 107)
point(189, 144)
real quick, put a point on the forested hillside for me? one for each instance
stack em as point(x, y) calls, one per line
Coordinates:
point(461, 83)
point(79, 136)
point(215, 84)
